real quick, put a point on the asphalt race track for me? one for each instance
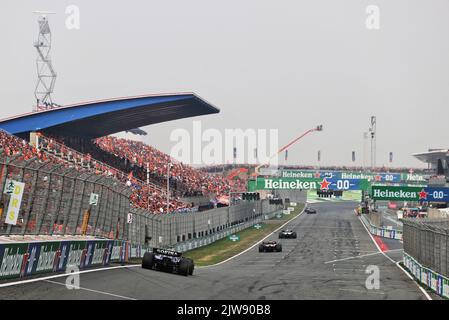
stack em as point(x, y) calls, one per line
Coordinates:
point(310, 267)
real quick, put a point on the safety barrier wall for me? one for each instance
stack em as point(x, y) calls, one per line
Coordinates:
point(25, 259)
point(382, 232)
point(177, 228)
point(437, 282)
point(427, 241)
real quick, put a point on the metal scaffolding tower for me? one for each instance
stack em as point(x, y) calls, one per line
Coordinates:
point(45, 72)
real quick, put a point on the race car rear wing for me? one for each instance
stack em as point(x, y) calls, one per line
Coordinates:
point(167, 252)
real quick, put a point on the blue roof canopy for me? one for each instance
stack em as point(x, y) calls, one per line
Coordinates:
point(100, 118)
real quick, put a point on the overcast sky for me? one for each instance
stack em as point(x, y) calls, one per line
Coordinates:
point(266, 64)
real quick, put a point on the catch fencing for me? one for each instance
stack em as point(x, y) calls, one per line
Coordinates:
point(191, 227)
point(61, 200)
point(427, 241)
point(57, 200)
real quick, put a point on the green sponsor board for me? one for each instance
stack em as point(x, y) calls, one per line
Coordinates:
point(412, 177)
point(283, 184)
point(298, 174)
point(399, 193)
point(234, 238)
point(310, 174)
point(307, 184)
point(11, 259)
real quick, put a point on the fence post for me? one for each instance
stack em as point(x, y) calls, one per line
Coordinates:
point(80, 211)
point(68, 211)
point(43, 209)
point(55, 216)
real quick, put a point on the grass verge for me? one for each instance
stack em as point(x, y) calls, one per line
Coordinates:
point(224, 249)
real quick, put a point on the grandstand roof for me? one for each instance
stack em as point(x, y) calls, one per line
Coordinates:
point(100, 118)
point(432, 155)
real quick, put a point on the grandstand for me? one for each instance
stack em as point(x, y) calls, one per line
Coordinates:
point(77, 136)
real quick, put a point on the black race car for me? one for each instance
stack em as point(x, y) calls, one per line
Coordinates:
point(310, 210)
point(168, 260)
point(270, 246)
point(287, 234)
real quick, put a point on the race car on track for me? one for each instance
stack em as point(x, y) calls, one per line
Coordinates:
point(287, 234)
point(168, 260)
point(270, 246)
point(310, 211)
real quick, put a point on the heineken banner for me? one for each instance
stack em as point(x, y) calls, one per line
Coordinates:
point(402, 193)
point(377, 177)
point(317, 174)
point(408, 177)
point(307, 184)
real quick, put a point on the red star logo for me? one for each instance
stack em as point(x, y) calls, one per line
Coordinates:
point(317, 175)
point(378, 178)
point(423, 195)
point(324, 185)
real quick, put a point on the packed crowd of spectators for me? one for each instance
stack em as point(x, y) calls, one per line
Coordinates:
point(51, 150)
point(185, 178)
point(14, 146)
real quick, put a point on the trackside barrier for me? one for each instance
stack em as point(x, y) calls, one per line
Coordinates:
point(18, 260)
point(382, 232)
point(438, 283)
point(198, 243)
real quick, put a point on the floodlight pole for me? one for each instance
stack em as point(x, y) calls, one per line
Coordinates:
point(372, 130)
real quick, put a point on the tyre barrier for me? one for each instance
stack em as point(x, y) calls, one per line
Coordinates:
point(435, 281)
point(24, 259)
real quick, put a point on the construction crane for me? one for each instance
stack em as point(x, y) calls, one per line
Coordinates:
point(317, 128)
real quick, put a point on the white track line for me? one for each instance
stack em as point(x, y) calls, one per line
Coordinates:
point(246, 250)
point(361, 256)
point(10, 284)
point(377, 246)
point(91, 290)
point(396, 263)
point(419, 286)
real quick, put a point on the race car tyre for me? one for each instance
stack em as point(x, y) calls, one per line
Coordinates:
point(278, 247)
point(148, 260)
point(184, 267)
point(281, 236)
point(192, 266)
point(261, 248)
point(294, 236)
